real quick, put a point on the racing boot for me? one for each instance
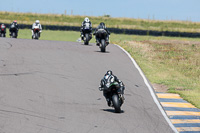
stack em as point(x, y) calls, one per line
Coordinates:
point(109, 102)
point(82, 36)
point(97, 42)
point(107, 41)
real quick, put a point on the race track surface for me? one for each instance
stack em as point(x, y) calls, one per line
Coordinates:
point(52, 87)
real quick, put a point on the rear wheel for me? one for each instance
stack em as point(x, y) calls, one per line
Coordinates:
point(103, 45)
point(116, 103)
point(13, 35)
point(86, 41)
point(36, 35)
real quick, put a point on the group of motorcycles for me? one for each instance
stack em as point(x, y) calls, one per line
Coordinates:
point(14, 31)
point(101, 34)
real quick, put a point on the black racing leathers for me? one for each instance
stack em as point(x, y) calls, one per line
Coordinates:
point(14, 27)
point(106, 93)
point(96, 36)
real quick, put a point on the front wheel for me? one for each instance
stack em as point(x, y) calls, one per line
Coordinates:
point(103, 45)
point(116, 103)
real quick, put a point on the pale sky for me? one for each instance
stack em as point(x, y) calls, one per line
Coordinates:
point(152, 9)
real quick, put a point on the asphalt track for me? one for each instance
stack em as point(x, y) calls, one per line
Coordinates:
point(52, 87)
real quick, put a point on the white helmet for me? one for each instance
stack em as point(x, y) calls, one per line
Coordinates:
point(37, 21)
point(87, 19)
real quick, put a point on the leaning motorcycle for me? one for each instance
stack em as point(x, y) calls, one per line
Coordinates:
point(36, 32)
point(115, 97)
point(102, 35)
point(13, 32)
point(3, 31)
point(87, 33)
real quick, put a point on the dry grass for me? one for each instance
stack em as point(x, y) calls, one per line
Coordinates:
point(173, 63)
point(127, 23)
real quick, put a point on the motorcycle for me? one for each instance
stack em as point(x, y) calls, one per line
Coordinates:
point(115, 97)
point(3, 31)
point(13, 31)
point(36, 32)
point(87, 33)
point(102, 35)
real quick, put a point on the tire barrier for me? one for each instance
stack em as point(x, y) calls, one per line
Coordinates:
point(117, 31)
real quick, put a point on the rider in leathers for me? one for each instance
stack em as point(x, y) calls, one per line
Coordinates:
point(86, 20)
point(3, 27)
point(37, 23)
point(101, 26)
point(15, 25)
point(120, 90)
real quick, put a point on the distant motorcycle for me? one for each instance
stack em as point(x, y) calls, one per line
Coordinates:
point(87, 30)
point(3, 31)
point(13, 31)
point(116, 98)
point(101, 34)
point(36, 32)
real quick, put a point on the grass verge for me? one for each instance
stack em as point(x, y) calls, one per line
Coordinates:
point(173, 62)
point(128, 23)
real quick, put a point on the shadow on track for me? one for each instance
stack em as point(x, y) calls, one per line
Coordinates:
point(86, 45)
point(112, 111)
point(102, 52)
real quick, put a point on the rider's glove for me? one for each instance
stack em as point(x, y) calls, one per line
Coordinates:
point(101, 89)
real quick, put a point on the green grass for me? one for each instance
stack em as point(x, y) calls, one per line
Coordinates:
point(51, 35)
point(53, 19)
point(174, 62)
point(72, 36)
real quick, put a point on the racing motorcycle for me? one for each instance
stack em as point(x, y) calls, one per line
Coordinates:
point(36, 32)
point(115, 97)
point(101, 35)
point(87, 33)
point(13, 31)
point(3, 31)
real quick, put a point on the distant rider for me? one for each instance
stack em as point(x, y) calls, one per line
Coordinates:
point(86, 21)
point(3, 28)
point(101, 26)
point(102, 87)
point(37, 23)
point(14, 25)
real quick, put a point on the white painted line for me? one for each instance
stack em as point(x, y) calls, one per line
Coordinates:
point(151, 90)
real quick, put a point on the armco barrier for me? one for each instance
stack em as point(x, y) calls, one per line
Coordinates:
point(117, 31)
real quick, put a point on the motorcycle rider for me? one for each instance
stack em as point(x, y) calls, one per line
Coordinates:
point(120, 87)
point(86, 20)
point(101, 26)
point(3, 28)
point(14, 25)
point(37, 23)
